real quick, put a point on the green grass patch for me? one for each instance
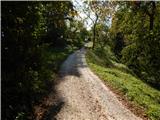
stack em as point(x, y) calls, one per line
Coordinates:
point(120, 77)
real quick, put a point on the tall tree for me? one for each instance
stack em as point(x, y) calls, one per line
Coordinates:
point(98, 12)
point(138, 21)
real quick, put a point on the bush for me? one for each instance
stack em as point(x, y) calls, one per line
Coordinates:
point(129, 57)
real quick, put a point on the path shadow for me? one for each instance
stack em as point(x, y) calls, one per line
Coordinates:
point(55, 102)
point(73, 64)
point(53, 110)
point(69, 68)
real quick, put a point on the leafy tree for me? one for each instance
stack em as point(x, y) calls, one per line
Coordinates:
point(102, 35)
point(98, 12)
point(27, 30)
point(76, 34)
point(57, 13)
point(138, 21)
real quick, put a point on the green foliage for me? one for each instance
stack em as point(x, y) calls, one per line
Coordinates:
point(76, 34)
point(102, 37)
point(129, 56)
point(139, 23)
point(103, 57)
point(56, 15)
point(119, 77)
point(29, 63)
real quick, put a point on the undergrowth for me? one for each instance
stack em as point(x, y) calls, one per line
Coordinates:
point(105, 65)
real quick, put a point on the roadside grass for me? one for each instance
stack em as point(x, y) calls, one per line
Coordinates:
point(123, 79)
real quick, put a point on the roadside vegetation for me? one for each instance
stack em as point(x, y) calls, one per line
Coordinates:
point(121, 78)
point(126, 54)
point(36, 39)
point(37, 36)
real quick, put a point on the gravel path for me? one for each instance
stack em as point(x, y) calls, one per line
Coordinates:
point(84, 95)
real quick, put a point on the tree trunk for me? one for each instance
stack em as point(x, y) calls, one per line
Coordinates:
point(94, 36)
point(94, 32)
point(152, 15)
point(151, 22)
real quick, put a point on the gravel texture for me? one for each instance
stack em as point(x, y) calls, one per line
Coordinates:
point(84, 96)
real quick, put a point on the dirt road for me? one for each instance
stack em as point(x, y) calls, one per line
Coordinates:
point(84, 96)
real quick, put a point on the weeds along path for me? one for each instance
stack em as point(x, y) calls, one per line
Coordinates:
point(84, 96)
